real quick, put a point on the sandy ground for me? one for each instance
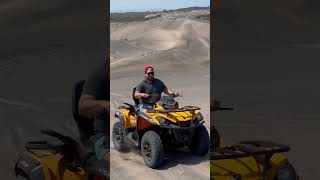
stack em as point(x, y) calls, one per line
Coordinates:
point(267, 60)
point(178, 47)
point(45, 46)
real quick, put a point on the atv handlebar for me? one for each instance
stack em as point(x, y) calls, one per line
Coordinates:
point(176, 95)
point(216, 106)
point(171, 95)
point(223, 109)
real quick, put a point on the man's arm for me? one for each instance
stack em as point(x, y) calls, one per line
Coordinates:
point(166, 90)
point(90, 107)
point(140, 95)
point(138, 92)
point(169, 91)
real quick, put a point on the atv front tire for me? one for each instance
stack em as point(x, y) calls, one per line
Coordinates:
point(118, 136)
point(152, 149)
point(200, 141)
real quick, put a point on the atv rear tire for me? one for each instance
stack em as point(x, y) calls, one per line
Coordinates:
point(152, 149)
point(200, 141)
point(118, 136)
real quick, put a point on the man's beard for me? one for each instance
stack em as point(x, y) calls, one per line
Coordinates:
point(149, 79)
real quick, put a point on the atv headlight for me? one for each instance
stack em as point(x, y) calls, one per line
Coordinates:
point(286, 172)
point(162, 120)
point(236, 177)
point(28, 167)
point(198, 117)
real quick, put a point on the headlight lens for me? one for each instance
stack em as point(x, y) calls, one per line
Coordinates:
point(199, 117)
point(161, 120)
point(236, 177)
point(286, 172)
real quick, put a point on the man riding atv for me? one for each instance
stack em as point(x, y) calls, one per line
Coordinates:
point(149, 90)
point(156, 124)
point(94, 105)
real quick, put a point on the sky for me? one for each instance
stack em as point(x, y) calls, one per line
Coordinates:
point(154, 5)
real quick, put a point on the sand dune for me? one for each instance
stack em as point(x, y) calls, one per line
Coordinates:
point(173, 41)
point(177, 46)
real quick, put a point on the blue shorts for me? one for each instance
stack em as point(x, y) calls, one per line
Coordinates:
point(101, 146)
point(144, 107)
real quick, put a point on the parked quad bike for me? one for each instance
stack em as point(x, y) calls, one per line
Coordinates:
point(67, 160)
point(248, 160)
point(155, 130)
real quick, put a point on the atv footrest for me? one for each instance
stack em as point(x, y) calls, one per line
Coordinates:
point(248, 148)
point(130, 139)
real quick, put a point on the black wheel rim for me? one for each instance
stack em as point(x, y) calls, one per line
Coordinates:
point(147, 151)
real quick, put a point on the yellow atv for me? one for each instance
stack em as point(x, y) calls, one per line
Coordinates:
point(248, 160)
point(66, 159)
point(166, 125)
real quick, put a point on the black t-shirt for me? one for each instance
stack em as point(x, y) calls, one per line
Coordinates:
point(154, 89)
point(97, 85)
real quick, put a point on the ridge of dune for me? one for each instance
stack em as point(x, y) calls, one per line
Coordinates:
point(166, 35)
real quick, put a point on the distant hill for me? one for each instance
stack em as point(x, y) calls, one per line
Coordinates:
point(140, 16)
point(129, 16)
point(188, 9)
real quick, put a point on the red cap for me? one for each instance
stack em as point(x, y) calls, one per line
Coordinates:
point(146, 68)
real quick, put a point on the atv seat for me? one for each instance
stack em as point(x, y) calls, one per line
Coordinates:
point(85, 125)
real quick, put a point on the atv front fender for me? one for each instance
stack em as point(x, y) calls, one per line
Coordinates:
point(119, 115)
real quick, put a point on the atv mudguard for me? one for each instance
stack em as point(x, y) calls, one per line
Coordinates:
point(45, 165)
point(126, 118)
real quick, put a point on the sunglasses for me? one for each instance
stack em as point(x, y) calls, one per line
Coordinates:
point(150, 73)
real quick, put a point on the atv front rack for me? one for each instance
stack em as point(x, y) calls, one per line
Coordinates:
point(248, 148)
point(182, 109)
point(43, 145)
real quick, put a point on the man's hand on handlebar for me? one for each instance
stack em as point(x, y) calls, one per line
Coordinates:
point(106, 105)
point(145, 95)
point(175, 94)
